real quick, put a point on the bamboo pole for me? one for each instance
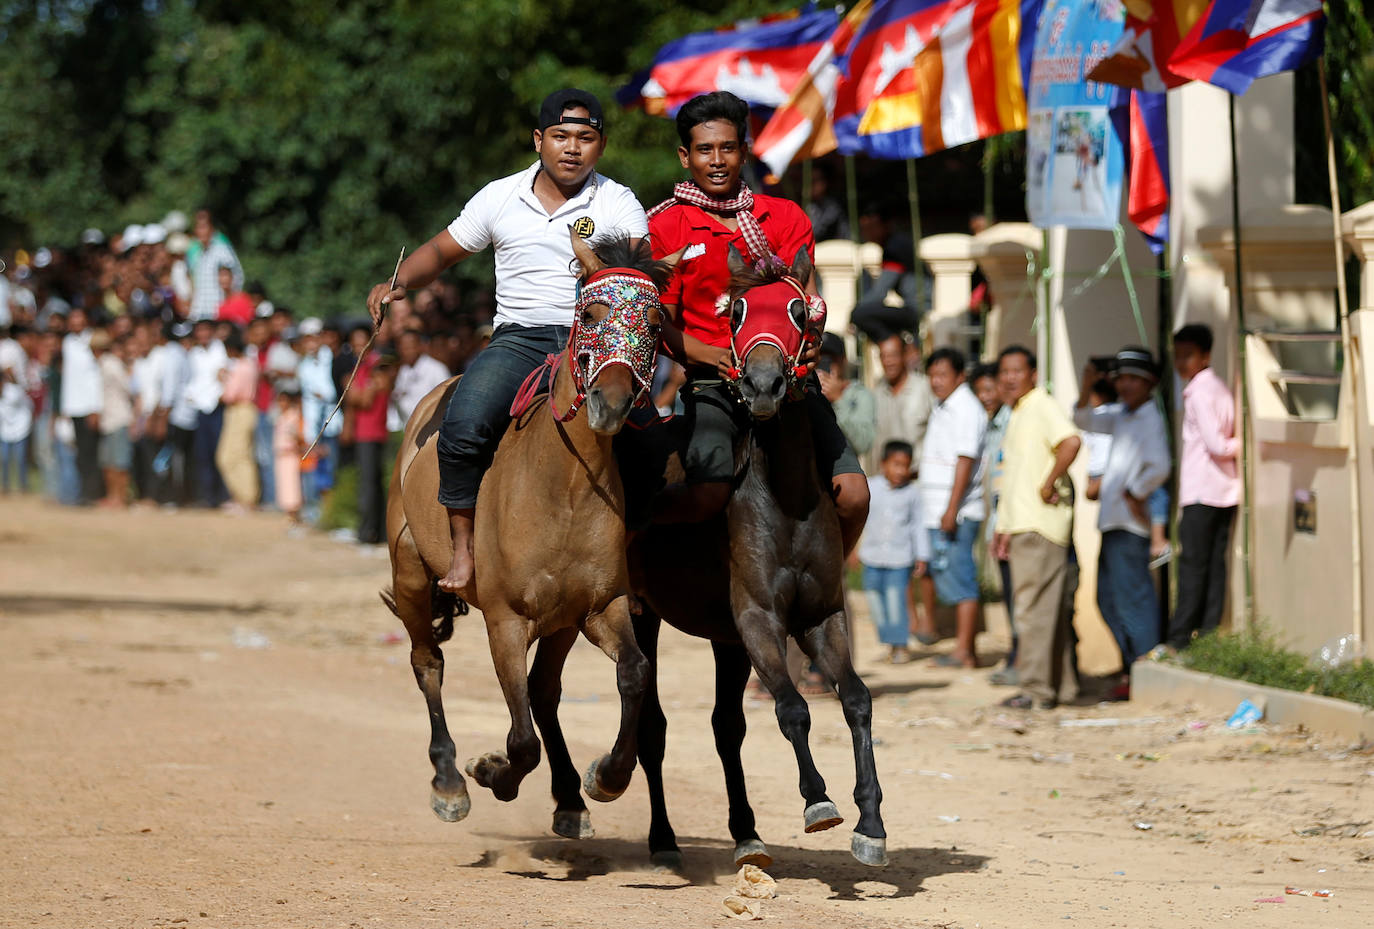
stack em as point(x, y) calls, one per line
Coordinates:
point(1247, 444)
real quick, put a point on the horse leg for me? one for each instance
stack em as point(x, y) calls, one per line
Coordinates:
point(570, 818)
point(828, 646)
point(502, 772)
point(728, 724)
point(653, 730)
point(612, 632)
point(411, 602)
point(768, 651)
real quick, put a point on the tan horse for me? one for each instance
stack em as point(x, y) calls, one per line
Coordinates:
point(549, 546)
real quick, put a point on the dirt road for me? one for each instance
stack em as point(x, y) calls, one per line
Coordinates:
point(206, 722)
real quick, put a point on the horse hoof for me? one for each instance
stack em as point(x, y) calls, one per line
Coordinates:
point(670, 860)
point(450, 809)
point(591, 785)
point(872, 852)
point(498, 759)
point(754, 852)
point(573, 824)
point(822, 816)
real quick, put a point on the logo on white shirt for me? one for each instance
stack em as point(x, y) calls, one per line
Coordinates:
point(584, 226)
point(694, 250)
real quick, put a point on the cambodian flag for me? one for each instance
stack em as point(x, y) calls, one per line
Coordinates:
point(1141, 120)
point(1237, 41)
point(760, 61)
point(924, 75)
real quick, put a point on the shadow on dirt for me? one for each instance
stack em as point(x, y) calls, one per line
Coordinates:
point(41, 603)
point(707, 860)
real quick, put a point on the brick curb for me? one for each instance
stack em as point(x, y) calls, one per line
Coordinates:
point(1156, 682)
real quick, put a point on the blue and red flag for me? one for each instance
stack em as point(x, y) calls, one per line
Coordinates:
point(924, 75)
point(1238, 41)
point(760, 61)
point(1141, 119)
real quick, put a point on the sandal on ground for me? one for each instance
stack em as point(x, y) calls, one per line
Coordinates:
point(925, 638)
point(1004, 677)
point(951, 661)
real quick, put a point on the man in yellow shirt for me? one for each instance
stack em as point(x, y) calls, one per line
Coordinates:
point(1034, 525)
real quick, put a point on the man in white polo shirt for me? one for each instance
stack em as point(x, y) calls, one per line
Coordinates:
point(951, 480)
point(525, 218)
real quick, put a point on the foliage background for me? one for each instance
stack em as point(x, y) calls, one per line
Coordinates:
point(324, 135)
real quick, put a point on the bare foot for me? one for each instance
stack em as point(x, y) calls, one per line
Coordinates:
point(460, 572)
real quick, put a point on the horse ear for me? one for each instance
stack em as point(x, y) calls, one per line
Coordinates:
point(735, 262)
point(802, 266)
point(585, 256)
point(671, 261)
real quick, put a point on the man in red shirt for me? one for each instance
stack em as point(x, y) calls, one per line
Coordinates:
point(237, 307)
point(376, 377)
point(707, 215)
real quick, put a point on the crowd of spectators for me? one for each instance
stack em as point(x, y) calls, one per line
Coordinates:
point(971, 492)
point(142, 369)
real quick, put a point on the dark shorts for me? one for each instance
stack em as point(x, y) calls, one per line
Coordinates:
point(715, 419)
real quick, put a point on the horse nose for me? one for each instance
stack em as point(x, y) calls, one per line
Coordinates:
point(767, 385)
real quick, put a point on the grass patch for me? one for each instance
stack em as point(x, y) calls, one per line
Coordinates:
point(1255, 655)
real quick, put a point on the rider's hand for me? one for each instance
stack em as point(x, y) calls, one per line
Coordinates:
point(380, 297)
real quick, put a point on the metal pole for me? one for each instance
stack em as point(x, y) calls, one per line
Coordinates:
point(1247, 445)
point(913, 202)
point(851, 189)
point(1351, 360)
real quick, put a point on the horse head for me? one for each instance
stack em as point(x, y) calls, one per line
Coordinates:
point(614, 340)
point(769, 314)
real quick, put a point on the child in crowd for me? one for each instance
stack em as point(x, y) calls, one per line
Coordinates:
point(287, 445)
point(893, 544)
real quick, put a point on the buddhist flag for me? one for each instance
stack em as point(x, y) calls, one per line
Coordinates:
point(760, 61)
point(1237, 41)
point(803, 127)
point(924, 75)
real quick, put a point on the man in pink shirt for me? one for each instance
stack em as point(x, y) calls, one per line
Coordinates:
point(1208, 487)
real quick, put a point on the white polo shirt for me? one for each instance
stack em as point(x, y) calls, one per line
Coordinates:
point(956, 430)
point(83, 392)
point(535, 285)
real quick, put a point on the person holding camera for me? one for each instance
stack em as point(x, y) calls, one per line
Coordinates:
point(1137, 465)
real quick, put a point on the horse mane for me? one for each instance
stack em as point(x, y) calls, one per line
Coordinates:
point(768, 271)
point(619, 253)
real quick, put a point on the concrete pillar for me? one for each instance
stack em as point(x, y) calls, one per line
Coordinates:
point(1009, 256)
point(1200, 175)
point(1302, 435)
point(950, 259)
point(1358, 226)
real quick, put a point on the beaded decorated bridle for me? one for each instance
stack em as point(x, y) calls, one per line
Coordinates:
point(626, 335)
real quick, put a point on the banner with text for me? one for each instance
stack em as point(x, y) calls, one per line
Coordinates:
point(1074, 161)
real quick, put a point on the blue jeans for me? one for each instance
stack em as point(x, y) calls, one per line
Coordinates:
point(958, 582)
point(68, 477)
point(886, 590)
point(478, 411)
point(1126, 593)
point(16, 453)
point(262, 453)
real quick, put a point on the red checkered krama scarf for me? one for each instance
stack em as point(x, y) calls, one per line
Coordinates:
point(741, 207)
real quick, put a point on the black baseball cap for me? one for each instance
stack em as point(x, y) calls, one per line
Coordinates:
point(551, 110)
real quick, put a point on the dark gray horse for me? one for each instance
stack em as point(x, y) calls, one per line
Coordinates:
point(770, 568)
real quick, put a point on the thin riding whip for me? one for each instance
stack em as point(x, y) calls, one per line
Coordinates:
point(376, 328)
